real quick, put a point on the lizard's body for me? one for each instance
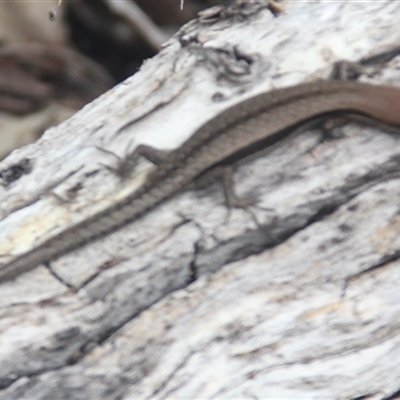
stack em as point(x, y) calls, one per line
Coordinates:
point(243, 129)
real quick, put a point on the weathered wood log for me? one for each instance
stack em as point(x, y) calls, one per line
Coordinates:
point(296, 299)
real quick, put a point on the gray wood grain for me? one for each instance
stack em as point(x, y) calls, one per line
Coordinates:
point(195, 300)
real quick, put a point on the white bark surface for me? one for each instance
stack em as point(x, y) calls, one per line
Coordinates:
point(195, 300)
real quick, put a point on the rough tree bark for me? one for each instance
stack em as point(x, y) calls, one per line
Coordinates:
point(195, 300)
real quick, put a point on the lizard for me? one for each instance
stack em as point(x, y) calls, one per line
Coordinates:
point(241, 130)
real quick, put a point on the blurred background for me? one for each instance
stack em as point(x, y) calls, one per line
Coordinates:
point(50, 69)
